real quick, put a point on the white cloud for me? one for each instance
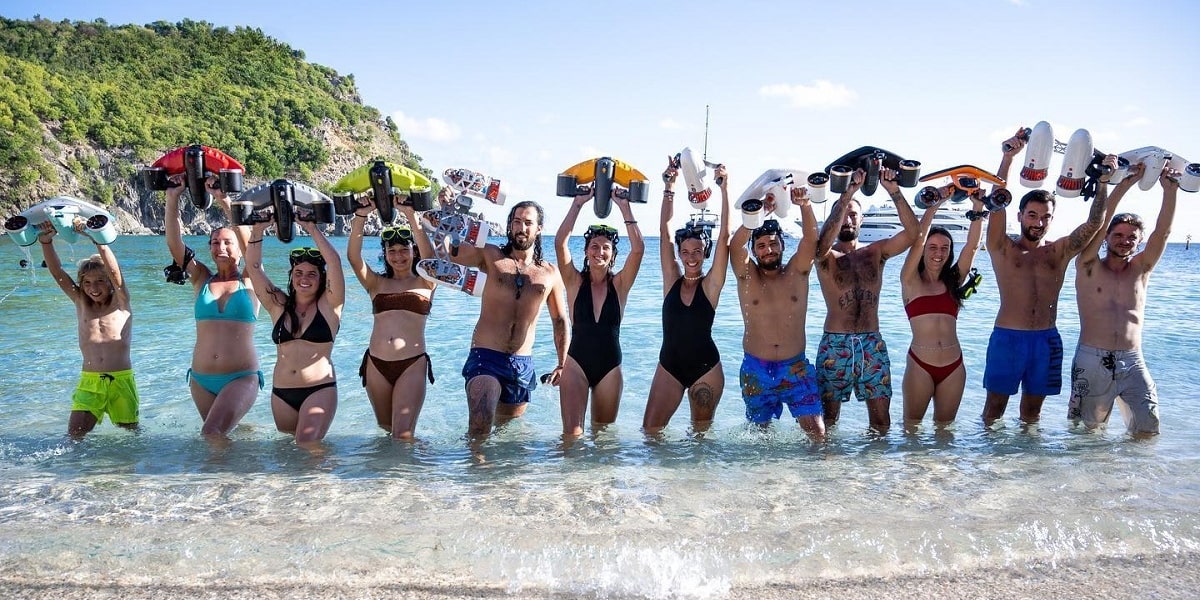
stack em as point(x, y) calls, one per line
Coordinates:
point(1138, 122)
point(669, 123)
point(1017, 2)
point(821, 94)
point(501, 157)
point(431, 128)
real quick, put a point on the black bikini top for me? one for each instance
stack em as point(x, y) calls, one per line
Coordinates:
point(410, 301)
point(318, 331)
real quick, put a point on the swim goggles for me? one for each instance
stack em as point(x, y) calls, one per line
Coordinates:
point(969, 288)
point(769, 227)
point(607, 231)
point(403, 235)
point(306, 254)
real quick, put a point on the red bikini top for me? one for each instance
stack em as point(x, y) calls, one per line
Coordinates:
point(942, 303)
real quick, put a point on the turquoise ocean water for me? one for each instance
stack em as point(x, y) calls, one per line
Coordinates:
point(614, 513)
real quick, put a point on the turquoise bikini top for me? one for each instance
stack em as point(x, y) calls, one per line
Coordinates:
point(239, 307)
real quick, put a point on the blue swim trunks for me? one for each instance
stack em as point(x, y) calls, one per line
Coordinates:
point(853, 361)
point(513, 371)
point(1032, 359)
point(767, 385)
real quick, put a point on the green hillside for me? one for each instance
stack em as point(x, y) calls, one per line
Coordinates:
point(137, 91)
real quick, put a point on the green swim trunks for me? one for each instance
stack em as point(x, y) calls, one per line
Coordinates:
point(114, 393)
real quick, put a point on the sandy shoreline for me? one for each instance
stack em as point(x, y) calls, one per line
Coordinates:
point(1158, 576)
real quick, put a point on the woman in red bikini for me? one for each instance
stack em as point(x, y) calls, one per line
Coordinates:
point(931, 283)
point(395, 366)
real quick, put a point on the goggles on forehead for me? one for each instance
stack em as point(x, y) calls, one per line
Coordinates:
point(607, 231)
point(306, 254)
point(403, 235)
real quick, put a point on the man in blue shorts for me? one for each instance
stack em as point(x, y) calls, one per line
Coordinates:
point(499, 370)
point(1025, 350)
point(852, 355)
point(774, 300)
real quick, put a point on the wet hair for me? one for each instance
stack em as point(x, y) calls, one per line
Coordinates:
point(587, 240)
point(289, 307)
point(951, 275)
point(769, 227)
point(1037, 196)
point(1129, 218)
point(507, 248)
point(94, 264)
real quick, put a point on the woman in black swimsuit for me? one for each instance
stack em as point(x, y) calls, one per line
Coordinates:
point(306, 317)
point(688, 360)
point(395, 366)
point(597, 298)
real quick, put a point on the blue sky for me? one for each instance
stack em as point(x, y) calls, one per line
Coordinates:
point(523, 90)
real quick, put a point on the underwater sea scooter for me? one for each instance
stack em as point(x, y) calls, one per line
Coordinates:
point(197, 163)
point(771, 194)
point(611, 177)
point(284, 202)
point(62, 212)
point(386, 182)
point(871, 159)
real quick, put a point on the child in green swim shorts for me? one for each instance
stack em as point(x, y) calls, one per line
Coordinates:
point(105, 326)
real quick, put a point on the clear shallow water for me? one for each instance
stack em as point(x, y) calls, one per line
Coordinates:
point(613, 513)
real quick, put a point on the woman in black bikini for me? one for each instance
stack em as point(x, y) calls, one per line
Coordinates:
point(594, 357)
point(395, 366)
point(688, 360)
point(306, 317)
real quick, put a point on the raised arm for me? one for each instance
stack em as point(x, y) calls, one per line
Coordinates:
point(420, 238)
point(269, 295)
point(671, 271)
point(1072, 245)
point(997, 228)
point(806, 251)
point(624, 279)
point(367, 277)
point(720, 264)
point(335, 277)
point(908, 272)
point(833, 222)
point(1156, 244)
point(46, 235)
point(172, 219)
point(562, 240)
point(904, 240)
point(966, 258)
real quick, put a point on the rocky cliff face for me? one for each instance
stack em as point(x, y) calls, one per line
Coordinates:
point(112, 178)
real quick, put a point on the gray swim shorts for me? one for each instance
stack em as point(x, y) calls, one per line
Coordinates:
point(1098, 377)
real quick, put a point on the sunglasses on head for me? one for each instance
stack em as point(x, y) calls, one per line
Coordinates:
point(306, 254)
point(607, 231)
point(403, 235)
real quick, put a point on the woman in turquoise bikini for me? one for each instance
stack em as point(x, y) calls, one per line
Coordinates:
point(224, 377)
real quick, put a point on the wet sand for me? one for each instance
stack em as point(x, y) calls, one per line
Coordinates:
point(1161, 576)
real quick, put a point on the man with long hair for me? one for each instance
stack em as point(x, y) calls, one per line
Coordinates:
point(499, 369)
